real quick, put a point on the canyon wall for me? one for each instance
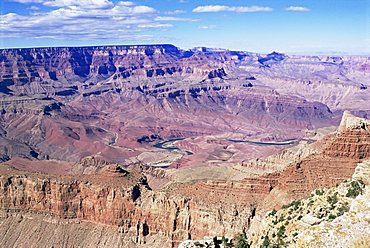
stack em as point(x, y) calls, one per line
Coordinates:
point(69, 103)
point(123, 200)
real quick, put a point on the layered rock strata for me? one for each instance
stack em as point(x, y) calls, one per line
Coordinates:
point(121, 200)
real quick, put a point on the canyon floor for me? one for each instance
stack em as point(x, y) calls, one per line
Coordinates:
point(148, 146)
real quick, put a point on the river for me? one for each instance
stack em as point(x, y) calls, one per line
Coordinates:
point(278, 143)
point(170, 146)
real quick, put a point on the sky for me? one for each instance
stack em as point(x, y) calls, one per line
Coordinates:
point(289, 26)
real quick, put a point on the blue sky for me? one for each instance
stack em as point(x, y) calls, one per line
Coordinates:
point(301, 27)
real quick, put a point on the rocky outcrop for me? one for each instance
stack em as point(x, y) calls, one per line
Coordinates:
point(334, 163)
point(334, 217)
point(350, 121)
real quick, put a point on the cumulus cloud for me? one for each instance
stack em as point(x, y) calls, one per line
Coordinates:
point(88, 19)
point(297, 8)
point(224, 8)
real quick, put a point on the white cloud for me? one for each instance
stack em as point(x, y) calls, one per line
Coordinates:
point(33, 8)
point(83, 20)
point(155, 25)
point(126, 3)
point(28, 1)
point(207, 27)
point(84, 4)
point(143, 10)
point(175, 12)
point(224, 8)
point(298, 8)
point(173, 18)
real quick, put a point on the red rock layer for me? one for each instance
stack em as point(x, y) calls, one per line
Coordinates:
point(192, 210)
point(336, 163)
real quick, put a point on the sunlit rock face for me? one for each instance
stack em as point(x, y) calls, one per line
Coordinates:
point(127, 204)
point(69, 103)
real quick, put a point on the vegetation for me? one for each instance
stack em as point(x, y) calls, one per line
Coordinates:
point(355, 190)
point(281, 232)
point(294, 204)
point(272, 213)
point(342, 209)
point(226, 242)
point(332, 217)
point(333, 199)
point(319, 192)
point(241, 241)
point(266, 242)
point(281, 218)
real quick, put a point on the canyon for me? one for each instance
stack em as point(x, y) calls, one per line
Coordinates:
point(120, 201)
point(115, 102)
point(151, 145)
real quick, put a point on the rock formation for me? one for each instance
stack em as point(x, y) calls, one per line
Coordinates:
point(334, 217)
point(70, 103)
point(120, 201)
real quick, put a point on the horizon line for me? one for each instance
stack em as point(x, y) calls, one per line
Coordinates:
point(317, 53)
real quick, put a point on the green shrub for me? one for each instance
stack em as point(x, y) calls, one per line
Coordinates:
point(355, 190)
point(342, 209)
point(332, 217)
point(281, 232)
point(272, 213)
point(333, 199)
point(281, 218)
point(319, 192)
point(266, 242)
point(241, 241)
point(294, 204)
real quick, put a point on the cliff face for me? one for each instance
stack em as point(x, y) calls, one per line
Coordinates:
point(120, 200)
point(334, 163)
point(21, 67)
point(330, 161)
point(123, 200)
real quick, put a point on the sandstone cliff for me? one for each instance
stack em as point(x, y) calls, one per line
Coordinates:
point(120, 200)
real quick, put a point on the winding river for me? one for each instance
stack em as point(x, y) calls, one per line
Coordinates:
point(170, 146)
point(278, 143)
